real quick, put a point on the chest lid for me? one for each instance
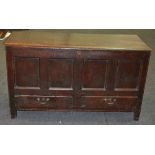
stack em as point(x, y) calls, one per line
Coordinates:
point(76, 40)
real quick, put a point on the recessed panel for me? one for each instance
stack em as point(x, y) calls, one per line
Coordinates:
point(60, 73)
point(26, 72)
point(94, 74)
point(127, 74)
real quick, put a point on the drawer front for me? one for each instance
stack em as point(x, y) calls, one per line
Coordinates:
point(43, 102)
point(108, 103)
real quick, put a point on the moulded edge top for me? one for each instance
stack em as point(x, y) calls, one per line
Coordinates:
point(71, 40)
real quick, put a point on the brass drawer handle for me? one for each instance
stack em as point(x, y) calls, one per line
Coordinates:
point(43, 100)
point(110, 101)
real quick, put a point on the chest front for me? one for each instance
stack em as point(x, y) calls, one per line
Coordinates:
point(76, 80)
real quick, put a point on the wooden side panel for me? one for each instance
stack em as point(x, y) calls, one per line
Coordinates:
point(26, 72)
point(60, 73)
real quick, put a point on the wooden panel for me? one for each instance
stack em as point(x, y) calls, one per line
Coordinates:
point(127, 76)
point(94, 74)
point(26, 72)
point(60, 73)
point(11, 80)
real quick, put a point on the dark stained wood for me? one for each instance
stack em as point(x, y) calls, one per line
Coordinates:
point(127, 74)
point(11, 84)
point(109, 103)
point(26, 72)
point(142, 81)
point(98, 77)
point(43, 74)
point(60, 73)
point(38, 102)
point(94, 74)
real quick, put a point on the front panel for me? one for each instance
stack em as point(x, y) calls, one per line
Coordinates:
point(26, 72)
point(94, 74)
point(60, 73)
point(54, 79)
point(43, 72)
point(105, 74)
point(127, 75)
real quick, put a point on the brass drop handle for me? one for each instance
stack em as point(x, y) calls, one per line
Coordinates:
point(43, 100)
point(110, 101)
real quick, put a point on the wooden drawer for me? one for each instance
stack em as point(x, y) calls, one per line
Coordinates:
point(108, 103)
point(43, 102)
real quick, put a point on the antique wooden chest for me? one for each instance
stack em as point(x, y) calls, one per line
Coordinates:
point(51, 71)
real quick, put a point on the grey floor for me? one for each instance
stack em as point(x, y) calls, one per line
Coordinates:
point(84, 118)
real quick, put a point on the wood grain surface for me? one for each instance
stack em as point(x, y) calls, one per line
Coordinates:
point(76, 40)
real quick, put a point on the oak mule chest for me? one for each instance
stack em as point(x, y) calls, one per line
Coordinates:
point(49, 71)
